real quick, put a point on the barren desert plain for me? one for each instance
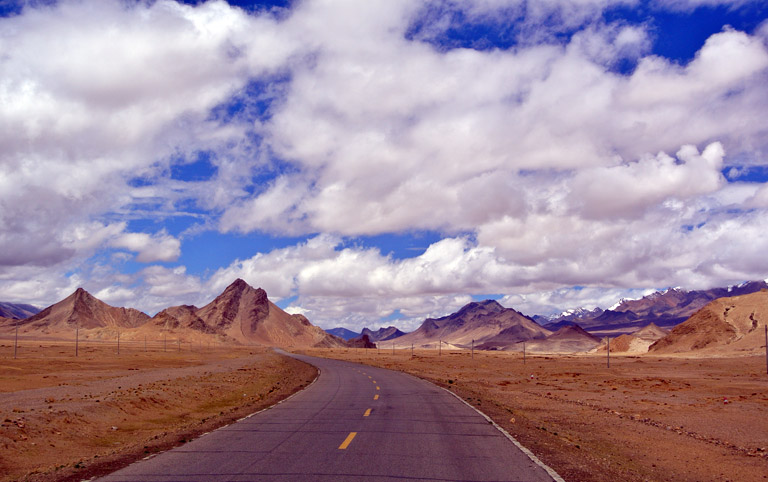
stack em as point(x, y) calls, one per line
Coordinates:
point(645, 418)
point(66, 418)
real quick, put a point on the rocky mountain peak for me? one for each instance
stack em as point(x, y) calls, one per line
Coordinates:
point(82, 296)
point(239, 284)
point(491, 306)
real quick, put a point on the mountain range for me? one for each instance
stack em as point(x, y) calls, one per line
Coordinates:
point(640, 324)
point(382, 334)
point(241, 314)
point(474, 324)
point(663, 308)
point(17, 311)
point(700, 320)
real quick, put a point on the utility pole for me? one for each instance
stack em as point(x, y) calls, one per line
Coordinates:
point(16, 342)
point(411, 350)
point(608, 351)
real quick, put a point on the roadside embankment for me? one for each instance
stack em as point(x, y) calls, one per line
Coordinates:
point(70, 418)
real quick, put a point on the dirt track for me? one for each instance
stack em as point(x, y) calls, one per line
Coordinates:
point(670, 419)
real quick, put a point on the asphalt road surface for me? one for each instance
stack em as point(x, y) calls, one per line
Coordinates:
point(354, 423)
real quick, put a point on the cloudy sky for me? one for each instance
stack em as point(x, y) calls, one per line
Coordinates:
point(377, 162)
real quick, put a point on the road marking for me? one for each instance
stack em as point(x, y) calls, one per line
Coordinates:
point(370, 376)
point(376, 397)
point(347, 441)
point(367, 412)
point(555, 476)
point(377, 387)
point(374, 381)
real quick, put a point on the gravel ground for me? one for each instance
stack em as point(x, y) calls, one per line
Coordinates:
point(67, 418)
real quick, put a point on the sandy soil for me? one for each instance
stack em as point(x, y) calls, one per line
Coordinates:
point(69, 418)
point(644, 418)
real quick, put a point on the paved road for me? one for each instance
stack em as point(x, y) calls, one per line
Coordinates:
point(354, 423)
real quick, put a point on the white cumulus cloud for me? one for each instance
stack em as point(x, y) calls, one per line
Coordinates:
point(150, 248)
point(540, 165)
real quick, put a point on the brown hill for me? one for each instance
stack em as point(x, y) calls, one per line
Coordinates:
point(478, 321)
point(650, 332)
point(637, 341)
point(519, 332)
point(624, 344)
point(725, 326)
point(179, 318)
point(82, 310)
point(569, 339)
point(245, 314)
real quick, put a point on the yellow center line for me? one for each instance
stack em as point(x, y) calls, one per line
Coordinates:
point(374, 381)
point(347, 441)
point(367, 412)
point(370, 376)
point(377, 387)
point(376, 397)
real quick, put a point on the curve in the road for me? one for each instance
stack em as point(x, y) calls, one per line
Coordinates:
point(354, 423)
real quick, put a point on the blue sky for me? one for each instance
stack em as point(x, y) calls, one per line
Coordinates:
point(381, 161)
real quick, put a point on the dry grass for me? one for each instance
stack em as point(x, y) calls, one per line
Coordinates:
point(645, 418)
point(70, 418)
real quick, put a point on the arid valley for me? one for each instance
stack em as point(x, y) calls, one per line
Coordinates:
point(683, 403)
point(383, 240)
point(666, 418)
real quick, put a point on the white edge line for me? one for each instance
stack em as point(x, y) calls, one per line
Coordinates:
point(281, 401)
point(549, 470)
point(227, 425)
point(512, 439)
point(527, 452)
